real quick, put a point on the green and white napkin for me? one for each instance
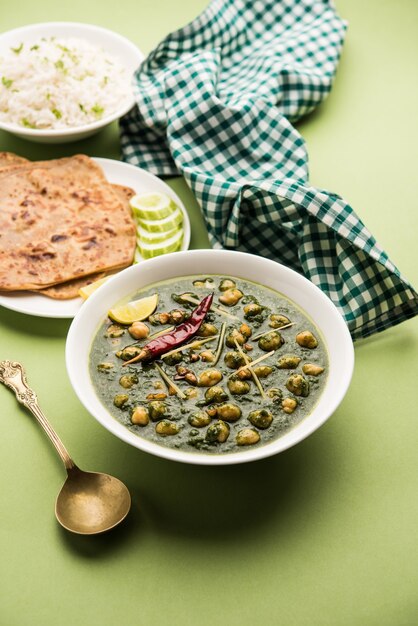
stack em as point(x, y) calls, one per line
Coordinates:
point(215, 103)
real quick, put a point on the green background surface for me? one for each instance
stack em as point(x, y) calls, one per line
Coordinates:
point(324, 534)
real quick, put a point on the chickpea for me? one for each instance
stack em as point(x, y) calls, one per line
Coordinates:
point(231, 297)
point(120, 400)
point(138, 330)
point(275, 394)
point(207, 356)
point(234, 360)
point(233, 336)
point(298, 385)
point(238, 387)
point(261, 418)
point(251, 310)
point(173, 359)
point(114, 330)
point(176, 316)
point(229, 412)
point(200, 419)
point(209, 378)
point(106, 366)
point(157, 410)
point(140, 416)
point(215, 394)
point(195, 357)
point(312, 370)
point(128, 380)
point(288, 362)
point(262, 371)
point(159, 319)
point(166, 428)
point(245, 330)
point(217, 432)
point(212, 411)
point(157, 396)
point(271, 341)
point(247, 437)
point(191, 378)
point(206, 282)
point(306, 339)
point(277, 321)
point(226, 284)
point(207, 330)
point(191, 392)
point(183, 373)
point(244, 374)
point(129, 352)
point(289, 405)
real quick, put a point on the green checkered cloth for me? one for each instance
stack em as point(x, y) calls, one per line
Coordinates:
point(215, 102)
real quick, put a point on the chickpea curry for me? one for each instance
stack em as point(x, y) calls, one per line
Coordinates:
point(221, 365)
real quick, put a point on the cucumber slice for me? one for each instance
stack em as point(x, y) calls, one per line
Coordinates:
point(148, 237)
point(172, 244)
point(171, 222)
point(152, 206)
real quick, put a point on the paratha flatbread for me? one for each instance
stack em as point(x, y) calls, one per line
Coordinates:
point(60, 220)
point(8, 158)
point(70, 289)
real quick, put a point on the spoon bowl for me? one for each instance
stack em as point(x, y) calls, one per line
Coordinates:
point(89, 502)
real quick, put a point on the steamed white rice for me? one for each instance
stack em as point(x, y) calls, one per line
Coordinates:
point(60, 83)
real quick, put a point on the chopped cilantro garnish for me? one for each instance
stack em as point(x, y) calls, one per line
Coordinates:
point(82, 107)
point(35, 47)
point(57, 113)
point(97, 110)
point(59, 64)
point(17, 50)
point(7, 82)
point(25, 122)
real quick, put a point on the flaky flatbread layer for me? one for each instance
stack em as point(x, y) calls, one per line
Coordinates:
point(60, 220)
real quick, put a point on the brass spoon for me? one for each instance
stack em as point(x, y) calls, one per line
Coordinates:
point(89, 502)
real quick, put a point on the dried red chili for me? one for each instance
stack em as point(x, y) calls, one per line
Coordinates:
point(160, 345)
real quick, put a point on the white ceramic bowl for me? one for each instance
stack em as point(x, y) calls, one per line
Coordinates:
point(311, 299)
point(128, 55)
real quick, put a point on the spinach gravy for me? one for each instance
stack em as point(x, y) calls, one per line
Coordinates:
point(255, 368)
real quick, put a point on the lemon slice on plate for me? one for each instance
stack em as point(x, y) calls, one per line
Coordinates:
point(152, 206)
point(86, 291)
point(134, 311)
point(150, 250)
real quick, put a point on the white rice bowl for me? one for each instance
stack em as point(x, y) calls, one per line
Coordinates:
point(63, 81)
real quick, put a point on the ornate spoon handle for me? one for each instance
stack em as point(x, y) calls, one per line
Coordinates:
point(13, 375)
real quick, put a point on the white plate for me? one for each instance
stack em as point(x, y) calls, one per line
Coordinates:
point(123, 50)
point(116, 172)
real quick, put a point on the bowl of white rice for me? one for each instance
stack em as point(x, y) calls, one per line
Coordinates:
point(63, 81)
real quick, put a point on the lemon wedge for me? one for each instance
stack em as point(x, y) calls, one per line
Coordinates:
point(86, 291)
point(152, 206)
point(134, 311)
